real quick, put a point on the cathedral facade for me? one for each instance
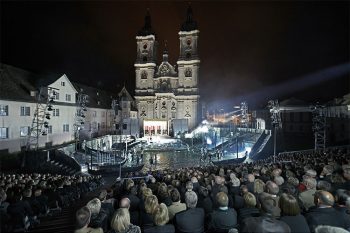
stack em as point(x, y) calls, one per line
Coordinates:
point(167, 97)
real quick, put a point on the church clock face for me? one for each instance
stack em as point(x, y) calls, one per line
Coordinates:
point(164, 70)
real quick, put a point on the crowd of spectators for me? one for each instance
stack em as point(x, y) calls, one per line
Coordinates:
point(26, 198)
point(299, 192)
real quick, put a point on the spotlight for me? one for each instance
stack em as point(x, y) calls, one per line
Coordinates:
point(44, 133)
point(48, 116)
point(46, 124)
point(84, 109)
point(82, 115)
point(49, 108)
point(82, 122)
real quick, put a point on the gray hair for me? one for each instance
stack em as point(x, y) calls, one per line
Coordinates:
point(329, 229)
point(191, 199)
point(309, 182)
point(279, 180)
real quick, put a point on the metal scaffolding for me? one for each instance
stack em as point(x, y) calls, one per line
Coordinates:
point(244, 114)
point(80, 116)
point(275, 112)
point(40, 124)
point(319, 126)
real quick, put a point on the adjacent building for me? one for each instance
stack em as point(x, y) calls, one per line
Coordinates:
point(21, 101)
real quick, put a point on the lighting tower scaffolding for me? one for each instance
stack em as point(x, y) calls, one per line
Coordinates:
point(276, 122)
point(80, 116)
point(319, 126)
point(45, 99)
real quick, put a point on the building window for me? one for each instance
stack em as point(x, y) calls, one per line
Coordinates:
point(125, 126)
point(4, 133)
point(68, 97)
point(103, 114)
point(103, 125)
point(56, 112)
point(24, 131)
point(25, 111)
point(57, 95)
point(63, 84)
point(66, 128)
point(94, 113)
point(173, 115)
point(4, 110)
point(49, 129)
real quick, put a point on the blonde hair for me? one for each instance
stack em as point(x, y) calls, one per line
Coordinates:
point(161, 215)
point(94, 206)
point(151, 203)
point(146, 192)
point(249, 200)
point(121, 220)
point(259, 186)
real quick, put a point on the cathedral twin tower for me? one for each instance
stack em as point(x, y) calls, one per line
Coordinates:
point(167, 98)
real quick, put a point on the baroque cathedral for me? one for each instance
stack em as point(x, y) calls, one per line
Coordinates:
point(167, 97)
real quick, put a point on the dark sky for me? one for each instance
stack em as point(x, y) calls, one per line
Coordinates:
point(249, 50)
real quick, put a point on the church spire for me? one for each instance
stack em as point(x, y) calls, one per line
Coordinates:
point(147, 28)
point(165, 52)
point(189, 24)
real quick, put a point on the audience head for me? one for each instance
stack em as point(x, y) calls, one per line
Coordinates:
point(329, 229)
point(124, 203)
point(161, 215)
point(82, 217)
point(289, 205)
point(309, 182)
point(121, 220)
point(272, 188)
point(342, 196)
point(175, 195)
point(151, 203)
point(94, 206)
point(324, 185)
point(268, 205)
point(191, 199)
point(249, 200)
point(222, 199)
point(189, 186)
point(324, 198)
point(251, 178)
point(259, 186)
point(103, 195)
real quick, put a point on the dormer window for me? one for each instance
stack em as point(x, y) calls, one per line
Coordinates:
point(63, 84)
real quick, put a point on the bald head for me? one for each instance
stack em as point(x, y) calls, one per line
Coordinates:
point(124, 203)
point(324, 198)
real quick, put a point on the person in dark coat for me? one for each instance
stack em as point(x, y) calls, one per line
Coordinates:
point(267, 222)
point(204, 200)
point(134, 205)
point(290, 214)
point(223, 218)
point(249, 209)
point(146, 216)
point(161, 218)
point(324, 213)
point(192, 219)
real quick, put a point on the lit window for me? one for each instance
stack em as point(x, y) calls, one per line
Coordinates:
point(4, 110)
point(25, 111)
point(4, 133)
point(24, 131)
point(68, 97)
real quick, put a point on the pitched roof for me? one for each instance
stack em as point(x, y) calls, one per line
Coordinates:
point(293, 102)
point(15, 83)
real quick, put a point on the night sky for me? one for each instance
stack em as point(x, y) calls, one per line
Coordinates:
point(251, 51)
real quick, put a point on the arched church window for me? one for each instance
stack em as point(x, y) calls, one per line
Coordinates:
point(144, 59)
point(144, 74)
point(188, 72)
point(188, 55)
point(145, 46)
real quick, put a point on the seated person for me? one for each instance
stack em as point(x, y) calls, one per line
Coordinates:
point(82, 217)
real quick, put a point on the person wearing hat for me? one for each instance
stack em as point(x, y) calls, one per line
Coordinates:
point(83, 216)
